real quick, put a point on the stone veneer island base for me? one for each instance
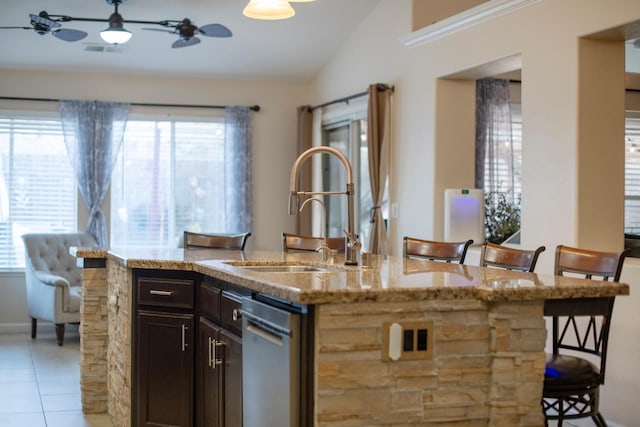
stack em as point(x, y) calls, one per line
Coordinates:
point(487, 329)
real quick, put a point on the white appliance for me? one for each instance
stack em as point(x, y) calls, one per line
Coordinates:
point(464, 215)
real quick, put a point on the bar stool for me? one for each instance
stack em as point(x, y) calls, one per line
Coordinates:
point(194, 240)
point(493, 255)
point(297, 242)
point(435, 250)
point(581, 326)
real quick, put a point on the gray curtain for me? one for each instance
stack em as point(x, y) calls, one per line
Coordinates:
point(304, 142)
point(238, 170)
point(378, 120)
point(93, 133)
point(494, 149)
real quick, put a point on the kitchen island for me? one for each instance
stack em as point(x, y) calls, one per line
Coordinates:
point(484, 333)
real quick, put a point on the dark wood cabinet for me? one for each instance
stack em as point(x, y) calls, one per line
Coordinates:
point(164, 369)
point(232, 379)
point(187, 356)
point(208, 375)
point(219, 362)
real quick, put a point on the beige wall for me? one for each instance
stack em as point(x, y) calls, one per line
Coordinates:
point(427, 12)
point(273, 127)
point(551, 111)
point(273, 130)
point(569, 198)
point(544, 39)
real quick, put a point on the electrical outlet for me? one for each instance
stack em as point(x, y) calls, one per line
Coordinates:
point(407, 340)
point(394, 210)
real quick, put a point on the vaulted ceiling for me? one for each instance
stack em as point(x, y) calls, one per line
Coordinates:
point(295, 48)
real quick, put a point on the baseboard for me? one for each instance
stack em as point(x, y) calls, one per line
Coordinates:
point(25, 328)
point(16, 328)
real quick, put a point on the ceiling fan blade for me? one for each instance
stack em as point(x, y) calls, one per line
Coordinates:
point(215, 30)
point(185, 42)
point(40, 20)
point(16, 28)
point(69, 35)
point(161, 30)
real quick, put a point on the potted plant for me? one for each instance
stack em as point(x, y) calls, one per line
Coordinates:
point(502, 216)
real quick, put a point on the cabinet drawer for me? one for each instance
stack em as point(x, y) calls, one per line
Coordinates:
point(230, 311)
point(176, 293)
point(209, 301)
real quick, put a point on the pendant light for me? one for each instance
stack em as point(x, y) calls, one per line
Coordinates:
point(268, 9)
point(115, 33)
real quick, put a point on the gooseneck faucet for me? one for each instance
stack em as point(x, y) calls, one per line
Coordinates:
point(352, 244)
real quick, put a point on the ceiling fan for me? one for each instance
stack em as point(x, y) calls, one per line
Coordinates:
point(115, 33)
point(44, 24)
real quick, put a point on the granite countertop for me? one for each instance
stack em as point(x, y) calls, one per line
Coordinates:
point(387, 280)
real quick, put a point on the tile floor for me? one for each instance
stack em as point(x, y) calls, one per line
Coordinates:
point(40, 382)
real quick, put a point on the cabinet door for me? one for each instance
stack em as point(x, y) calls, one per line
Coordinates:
point(209, 374)
point(232, 378)
point(164, 369)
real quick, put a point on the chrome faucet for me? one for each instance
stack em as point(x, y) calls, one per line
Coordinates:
point(352, 244)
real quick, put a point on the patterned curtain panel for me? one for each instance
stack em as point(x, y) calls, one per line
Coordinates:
point(238, 170)
point(494, 148)
point(93, 132)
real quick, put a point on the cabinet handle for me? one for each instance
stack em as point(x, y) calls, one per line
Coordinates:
point(161, 293)
point(213, 360)
point(184, 337)
point(210, 349)
point(236, 314)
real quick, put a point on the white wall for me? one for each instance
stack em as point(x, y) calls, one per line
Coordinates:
point(273, 131)
point(544, 40)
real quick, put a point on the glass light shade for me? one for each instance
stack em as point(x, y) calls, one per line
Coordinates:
point(268, 9)
point(300, 1)
point(115, 35)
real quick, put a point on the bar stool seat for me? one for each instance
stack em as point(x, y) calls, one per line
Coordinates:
point(564, 372)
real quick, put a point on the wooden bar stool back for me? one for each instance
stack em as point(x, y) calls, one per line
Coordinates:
point(493, 255)
point(435, 250)
point(194, 240)
point(297, 242)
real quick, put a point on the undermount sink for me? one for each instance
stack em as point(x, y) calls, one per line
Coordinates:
point(283, 268)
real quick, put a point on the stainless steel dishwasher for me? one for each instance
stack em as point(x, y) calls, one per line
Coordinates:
point(270, 365)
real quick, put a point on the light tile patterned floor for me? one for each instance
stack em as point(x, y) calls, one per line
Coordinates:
point(40, 382)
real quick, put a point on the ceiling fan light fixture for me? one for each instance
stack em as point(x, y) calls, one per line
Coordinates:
point(268, 9)
point(115, 34)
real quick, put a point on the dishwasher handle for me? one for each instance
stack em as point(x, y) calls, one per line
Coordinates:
point(265, 325)
point(265, 334)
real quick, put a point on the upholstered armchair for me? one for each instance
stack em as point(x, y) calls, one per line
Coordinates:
point(53, 280)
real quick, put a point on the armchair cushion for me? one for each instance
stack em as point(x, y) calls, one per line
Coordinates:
point(53, 279)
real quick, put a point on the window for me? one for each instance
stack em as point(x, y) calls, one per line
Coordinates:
point(169, 176)
point(37, 185)
point(345, 128)
point(632, 173)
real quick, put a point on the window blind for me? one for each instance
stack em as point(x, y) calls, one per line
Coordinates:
point(169, 177)
point(632, 174)
point(37, 184)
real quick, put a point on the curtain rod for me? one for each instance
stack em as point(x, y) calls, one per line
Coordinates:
point(136, 104)
point(350, 97)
